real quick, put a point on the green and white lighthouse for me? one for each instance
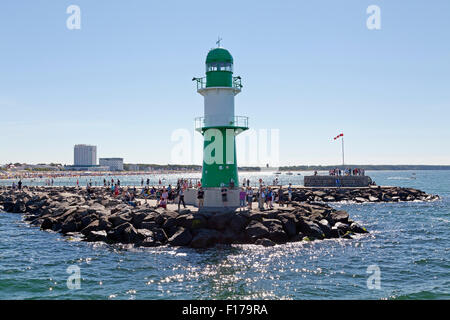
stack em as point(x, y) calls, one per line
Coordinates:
point(219, 125)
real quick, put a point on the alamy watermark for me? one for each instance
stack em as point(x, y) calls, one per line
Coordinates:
point(74, 280)
point(374, 20)
point(253, 148)
point(73, 22)
point(374, 280)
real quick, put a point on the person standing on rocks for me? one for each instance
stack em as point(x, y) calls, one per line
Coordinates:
point(19, 185)
point(181, 199)
point(224, 196)
point(158, 197)
point(261, 197)
point(280, 197)
point(242, 195)
point(289, 193)
point(200, 197)
point(165, 195)
point(249, 197)
point(269, 195)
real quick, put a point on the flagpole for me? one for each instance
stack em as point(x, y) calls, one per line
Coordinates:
point(343, 165)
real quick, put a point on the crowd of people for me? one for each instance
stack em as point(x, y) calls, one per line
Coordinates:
point(263, 196)
point(167, 195)
point(346, 172)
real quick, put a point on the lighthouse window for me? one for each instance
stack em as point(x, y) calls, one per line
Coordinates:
point(225, 67)
point(215, 66)
point(211, 67)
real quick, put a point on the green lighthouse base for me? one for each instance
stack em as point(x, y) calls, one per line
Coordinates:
point(219, 157)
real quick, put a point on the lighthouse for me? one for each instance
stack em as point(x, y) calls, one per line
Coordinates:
point(219, 125)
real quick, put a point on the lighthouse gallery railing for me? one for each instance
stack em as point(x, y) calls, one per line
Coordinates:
point(201, 83)
point(205, 122)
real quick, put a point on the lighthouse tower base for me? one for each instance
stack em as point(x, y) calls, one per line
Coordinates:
point(213, 199)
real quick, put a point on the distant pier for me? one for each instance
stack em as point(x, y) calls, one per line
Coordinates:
point(337, 181)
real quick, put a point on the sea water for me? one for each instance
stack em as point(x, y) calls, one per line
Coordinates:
point(405, 256)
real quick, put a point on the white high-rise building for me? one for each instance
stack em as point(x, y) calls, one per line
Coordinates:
point(85, 155)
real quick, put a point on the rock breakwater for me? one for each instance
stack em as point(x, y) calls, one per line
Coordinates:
point(98, 216)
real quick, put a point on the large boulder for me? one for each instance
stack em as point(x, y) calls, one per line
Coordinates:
point(356, 228)
point(69, 225)
point(97, 225)
point(289, 222)
point(361, 199)
point(219, 221)
point(198, 221)
point(256, 230)
point(150, 225)
point(298, 237)
point(137, 218)
point(86, 220)
point(319, 194)
point(48, 223)
point(181, 238)
point(238, 223)
point(118, 219)
point(338, 216)
point(310, 229)
point(169, 223)
point(130, 235)
point(115, 234)
point(94, 236)
point(340, 229)
point(8, 206)
point(191, 221)
point(265, 242)
point(228, 236)
point(160, 235)
point(205, 238)
point(149, 242)
point(276, 231)
point(144, 233)
point(324, 225)
point(20, 207)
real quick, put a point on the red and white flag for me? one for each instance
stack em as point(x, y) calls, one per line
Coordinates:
point(338, 136)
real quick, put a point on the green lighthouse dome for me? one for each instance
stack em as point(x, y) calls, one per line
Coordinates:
point(219, 55)
point(219, 68)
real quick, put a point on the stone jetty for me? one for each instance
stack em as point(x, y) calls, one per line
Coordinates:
point(361, 195)
point(98, 216)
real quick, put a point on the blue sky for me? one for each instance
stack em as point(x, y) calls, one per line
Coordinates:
point(311, 69)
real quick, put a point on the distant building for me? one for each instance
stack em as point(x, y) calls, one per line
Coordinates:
point(114, 164)
point(86, 168)
point(133, 167)
point(84, 155)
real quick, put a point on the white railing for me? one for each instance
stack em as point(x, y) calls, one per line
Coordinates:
point(205, 122)
point(201, 83)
